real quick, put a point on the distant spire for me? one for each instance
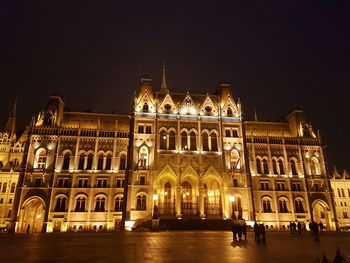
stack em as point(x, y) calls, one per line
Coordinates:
point(163, 86)
point(255, 116)
point(11, 122)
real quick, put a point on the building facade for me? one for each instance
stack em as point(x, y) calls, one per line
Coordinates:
point(177, 154)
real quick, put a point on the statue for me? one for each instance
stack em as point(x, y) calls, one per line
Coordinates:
point(155, 212)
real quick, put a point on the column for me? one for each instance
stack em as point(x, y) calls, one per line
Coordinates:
point(178, 201)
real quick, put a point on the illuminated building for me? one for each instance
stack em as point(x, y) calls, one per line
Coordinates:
point(192, 155)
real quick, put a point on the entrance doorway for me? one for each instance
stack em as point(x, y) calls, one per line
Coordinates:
point(32, 215)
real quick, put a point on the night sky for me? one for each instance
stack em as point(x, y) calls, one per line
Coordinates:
point(278, 55)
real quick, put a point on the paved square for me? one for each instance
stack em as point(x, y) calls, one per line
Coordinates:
point(175, 246)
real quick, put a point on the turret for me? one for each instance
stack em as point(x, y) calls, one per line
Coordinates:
point(11, 122)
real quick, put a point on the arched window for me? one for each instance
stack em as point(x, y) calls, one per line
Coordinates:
point(41, 158)
point(266, 204)
point(172, 145)
point(100, 161)
point(145, 107)
point(66, 160)
point(143, 157)
point(167, 192)
point(100, 204)
point(235, 160)
point(60, 204)
point(122, 164)
point(108, 162)
point(193, 141)
point(80, 204)
point(299, 206)
point(15, 164)
point(314, 166)
point(229, 112)
point(81, 161)
point(214, 142)
point(4, 187)
point(293, 165)
point(118, 204)
point(141, 203)
point(205, 140)
point(343, 192)
point(281, 166)
point(90, 159)
point(282, 205)
point(265, 166)
point(163, 140)
point(13, 187)
point(184, 145)
point(187, 192)
point(274, 166)
point(258, 166)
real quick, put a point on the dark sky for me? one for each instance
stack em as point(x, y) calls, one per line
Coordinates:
point(279, 55)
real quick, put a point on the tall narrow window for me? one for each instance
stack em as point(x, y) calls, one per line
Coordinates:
point(258, 166)
point(13, 187)
point(41, 159)
point(108, 162)
point(66, 160)
point(267, 206)
point(281, 166)
point(145, 107)
point(118, 205)
point(265, 166)
point(229, 112)
point(193, 141)
point(90, 159)
point(205, 140)
point(184, 141)
point(100, 162)
point(167, 192)
point(122, 164)
point(80, 204)
point(4, 186)
point(172, 138)
point(143, 157)
point(100, 204)
point(274, 166)
point(81, 161)
point(141, 203)
point(163, 140)
point(60, 204)
point(294, 167)
point(214, 142)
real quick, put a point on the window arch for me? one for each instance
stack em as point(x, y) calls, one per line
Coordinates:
point(184, 141)
point(66, 161)
point(163, 140)
point(229, 112)
point(314, 166)
point(193, 141)
point(235, 159)
point(205, 140)
point(141, 202)
point(145, 107)
point(13, 187)
point(100, 204)
point(293, 166)
point(274, 166)
point(266, 205)
point(172, 139)
point(298, 206)
point(80, 203)
point(81, 164)
point(265, 166)
point(108, 162)
point(100, 161)
point(90, 159)
point(258, 166)
point(122, 163)
point(60, 204)
point(4, 187)
point(214, 141)
point(167, 192)
point(41, 157)
point(144, 157)
point(282, 205)
point(118, 204)
point(281, 166)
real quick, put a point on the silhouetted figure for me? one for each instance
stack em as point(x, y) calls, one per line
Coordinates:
point(299, 228)
point(339, 258)
point(240, 231)
point(28, 229)
point(234, 231)
point(262, 232)
point(257, 231)
point(314, 230)
point(321, 226)
point(244, 230)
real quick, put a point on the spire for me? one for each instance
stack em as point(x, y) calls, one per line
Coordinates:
point(163, 86)
point(255, 116)
point(11, 122)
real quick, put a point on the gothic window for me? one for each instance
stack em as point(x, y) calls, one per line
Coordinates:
point(80, 204)
point(163, 140)
point(274, 166)
point(143, 157)
point(235, 160)
point(294, 167)
point(60, 204)
point(118, 205)
point(100, 161)
point(282, 204)
point(187, 192)
point(258, 166)
point(108, 162)
point(193, 141)
point(15, 164)
point(167, 192)
point(299, 206)
point(314, 166)
point(205, 139)
point(228, 132)
point(172, 140)
point(184, 141)
point(13, 187)
point(141, 203)
point(281, 166)
point(4, 186)
point(100, 204)
point(343, 192)
point(41, 158)
point(266, 204)
point(145, 107)
point(81, 161)
point(122, 164)
point(214, 142)
point(229, 112)
point(90, 159)
point(66, 160)
point(265, 166)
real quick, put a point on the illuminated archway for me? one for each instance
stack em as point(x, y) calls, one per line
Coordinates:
point(321, 213)
point(32, 216)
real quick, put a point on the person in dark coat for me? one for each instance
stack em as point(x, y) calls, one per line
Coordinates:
point(244, 230)
point(234, 231)
point(262, 232)
point(28, 229)
point(240, 231)
point(257, 231)
point(299, 228)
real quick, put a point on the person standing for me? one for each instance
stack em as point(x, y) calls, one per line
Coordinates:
point(262, 232)
point(299, 228)
point(257, 232)
point(28, 229)
point(244, 230)
point(240, 231)
point(234, 231)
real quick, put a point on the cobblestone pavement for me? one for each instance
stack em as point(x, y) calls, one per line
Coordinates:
point(176, 246)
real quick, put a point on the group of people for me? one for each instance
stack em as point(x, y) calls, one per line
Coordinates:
point(239, 230)
point(295, 227)
point(259, 231)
